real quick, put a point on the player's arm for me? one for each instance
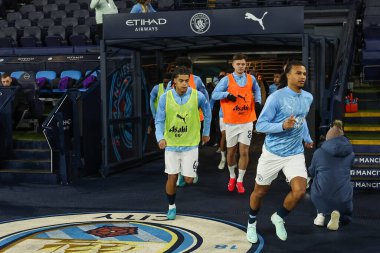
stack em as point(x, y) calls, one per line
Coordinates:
point(220, 92)
point(93, 4)
point(265, 122)
point(160, 120)
point(205, 106)
point(153, 95)
point(306, 135)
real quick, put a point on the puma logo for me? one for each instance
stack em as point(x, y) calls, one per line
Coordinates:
point(253, 17)
point(240, 96)
point(183, 118)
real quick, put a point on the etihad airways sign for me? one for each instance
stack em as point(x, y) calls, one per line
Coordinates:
point(146, 25)
point(247, 21)
point(146, 22)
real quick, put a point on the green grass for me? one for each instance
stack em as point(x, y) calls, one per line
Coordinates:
point(28, 136)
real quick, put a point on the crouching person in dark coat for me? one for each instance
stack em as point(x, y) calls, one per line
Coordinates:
point(331, 191)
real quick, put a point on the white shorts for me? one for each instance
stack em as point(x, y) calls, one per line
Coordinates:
point(185, 162)
point(238, 133)
point(222, 125)
point(270, 165)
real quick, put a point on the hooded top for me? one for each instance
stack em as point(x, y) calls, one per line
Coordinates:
point(330, 168)
point(338, 147)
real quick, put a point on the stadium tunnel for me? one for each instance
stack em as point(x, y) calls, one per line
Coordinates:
point(154, 39)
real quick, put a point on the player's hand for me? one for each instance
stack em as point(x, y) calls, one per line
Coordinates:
point(205, 139)
point(289, 123)
point(162, 144)
point(309, 145)
point(231, 97)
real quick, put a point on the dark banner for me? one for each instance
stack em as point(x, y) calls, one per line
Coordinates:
point(26, 59)
point(367, 160)
point(367, 173)
point(373, 185)
point(46, 59)
point(72, 58)
point(260, 21)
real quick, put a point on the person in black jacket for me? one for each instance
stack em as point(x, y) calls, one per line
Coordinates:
point(19, 102)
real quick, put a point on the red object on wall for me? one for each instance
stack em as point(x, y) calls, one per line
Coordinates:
point(351, 107)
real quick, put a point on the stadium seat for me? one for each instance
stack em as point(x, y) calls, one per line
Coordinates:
point(73, 74)
point(31, 37)
point(70, 8)
point(12, 17)
point(69, 24)
point(20, 25)
point(3, 23)
point(49, 8)
point(17, 74)
point(81, 15)
point(26, 9)
point(48, 74)
point(39, 4)
point(62, 4)
point(56, 36)
point(81, 36)
point(84, 4)
point(35, 16)
point(8, 37)
point(58, 16)
point(45, 23)
point(91, 21)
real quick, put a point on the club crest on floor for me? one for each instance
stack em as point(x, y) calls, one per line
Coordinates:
point(121, 232)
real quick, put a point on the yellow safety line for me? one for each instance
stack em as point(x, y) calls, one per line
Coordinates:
point(362, 128)
point(362, 114)
point(365, 142)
